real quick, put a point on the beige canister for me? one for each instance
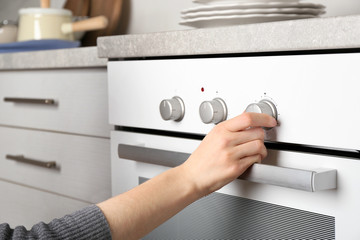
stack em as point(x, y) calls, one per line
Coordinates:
point(43, 23)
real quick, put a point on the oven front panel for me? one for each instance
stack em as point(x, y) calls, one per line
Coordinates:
point(337, 207)
point(316, 96)
point(222, 216)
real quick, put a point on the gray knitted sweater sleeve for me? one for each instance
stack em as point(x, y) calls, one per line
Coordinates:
point(88, 223)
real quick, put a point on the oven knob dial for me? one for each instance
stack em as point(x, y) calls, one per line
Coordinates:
point(214, 111)
point(263, 106)
point(172, 109)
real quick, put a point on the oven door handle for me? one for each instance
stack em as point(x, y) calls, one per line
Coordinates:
point(307, 180)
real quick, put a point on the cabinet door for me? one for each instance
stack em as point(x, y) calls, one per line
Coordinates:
point(68, 100)
point(21, 205)
point(82, 168)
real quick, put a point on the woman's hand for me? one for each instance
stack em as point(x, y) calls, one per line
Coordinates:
point(227, 151)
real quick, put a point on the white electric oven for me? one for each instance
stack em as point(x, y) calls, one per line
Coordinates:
point(307, 187)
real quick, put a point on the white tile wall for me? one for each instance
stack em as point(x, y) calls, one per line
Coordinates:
point(143, 16)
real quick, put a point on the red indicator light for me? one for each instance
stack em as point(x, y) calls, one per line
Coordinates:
point(202, 89)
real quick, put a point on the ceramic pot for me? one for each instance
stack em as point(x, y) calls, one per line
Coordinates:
point(49, 23)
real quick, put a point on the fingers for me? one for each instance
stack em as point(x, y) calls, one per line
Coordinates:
point(241, 166)
point(246, 162)
point(248, 135)
point(248, 149)
point(248, 119)
point(250, 160)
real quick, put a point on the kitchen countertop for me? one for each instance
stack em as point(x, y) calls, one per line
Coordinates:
point(305, 34)
point(60, 58)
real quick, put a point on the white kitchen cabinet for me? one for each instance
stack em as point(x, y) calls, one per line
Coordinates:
point(21, 205)
point(79, 95)
point(81, 170)
point(73, 132)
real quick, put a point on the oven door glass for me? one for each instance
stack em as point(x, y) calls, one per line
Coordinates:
point(244, 209)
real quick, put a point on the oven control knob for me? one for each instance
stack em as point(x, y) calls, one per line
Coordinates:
point(214, 111)
point(172, 109)
point(263, 106)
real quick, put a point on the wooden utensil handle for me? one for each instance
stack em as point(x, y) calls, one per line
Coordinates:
point(95, 23)
point(45, 3)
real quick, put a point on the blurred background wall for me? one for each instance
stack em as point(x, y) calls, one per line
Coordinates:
point(143, 16)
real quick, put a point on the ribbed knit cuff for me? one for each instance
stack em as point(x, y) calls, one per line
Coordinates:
point(87, 223)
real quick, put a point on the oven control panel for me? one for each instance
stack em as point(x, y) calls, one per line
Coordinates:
point(191, 95)
point(214, 111)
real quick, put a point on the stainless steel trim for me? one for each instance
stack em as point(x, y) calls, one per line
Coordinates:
point(224, 107)
point(182, 105)
point(22, 159)
point(152, 155)
point(307, 180)
point(45, 101)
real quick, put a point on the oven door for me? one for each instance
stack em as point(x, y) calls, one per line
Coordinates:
point(273, 203)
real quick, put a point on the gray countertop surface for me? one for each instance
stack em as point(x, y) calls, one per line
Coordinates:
point(305, 34)
point(61, 58)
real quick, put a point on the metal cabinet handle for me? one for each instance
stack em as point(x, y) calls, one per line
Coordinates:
point(45, 101)
point(307, 180)
point(21, 158)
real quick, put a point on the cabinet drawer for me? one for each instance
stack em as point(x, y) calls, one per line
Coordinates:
point(20, 205)
point(77, 100)
point(82, 163)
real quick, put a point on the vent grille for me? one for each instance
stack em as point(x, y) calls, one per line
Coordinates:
point(220, 216)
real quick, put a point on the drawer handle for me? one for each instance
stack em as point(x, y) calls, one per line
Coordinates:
point(22, 159)
point(45, 101)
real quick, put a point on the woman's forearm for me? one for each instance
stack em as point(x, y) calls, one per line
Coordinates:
point(135, 213)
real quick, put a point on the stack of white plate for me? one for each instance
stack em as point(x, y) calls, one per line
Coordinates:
point(217, 13)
